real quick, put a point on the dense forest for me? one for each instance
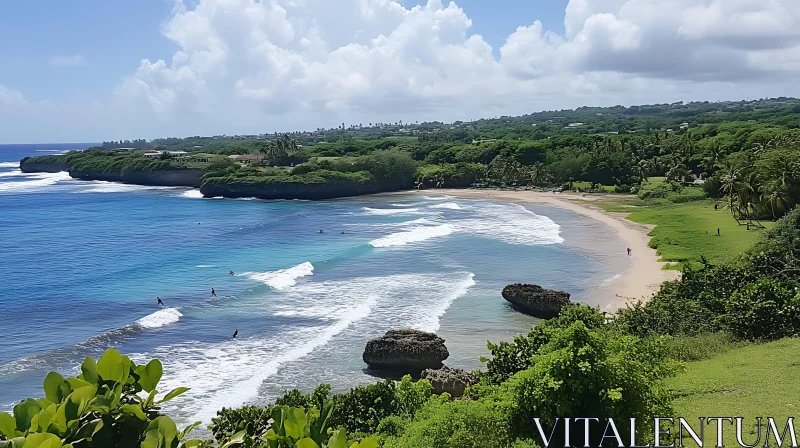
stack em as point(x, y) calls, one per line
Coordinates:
point(744, 151)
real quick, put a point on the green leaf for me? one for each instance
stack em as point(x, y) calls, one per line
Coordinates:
point(24, 412)
point(53, 387)
point(89, 369)
point(111, 366)
point(188, 429)
point(8, 425)
point(134, 410)
point(150, 375)
point(174, 393)
point(76, 383)
point(307, 443)
point(338, 439)
point(368, 443)
point(236, 439)
point(42, 440)
point(295, 423)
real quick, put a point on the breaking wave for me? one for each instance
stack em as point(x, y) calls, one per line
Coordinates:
point(283, 278)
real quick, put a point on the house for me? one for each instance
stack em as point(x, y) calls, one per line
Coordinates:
point(202, 158)
point(248, 159)
point(175, 155)
point(574, 125)
point(684, 125)
point(152, 154)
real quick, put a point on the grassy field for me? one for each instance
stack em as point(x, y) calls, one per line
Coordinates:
point(759, 380)
point(684, 232)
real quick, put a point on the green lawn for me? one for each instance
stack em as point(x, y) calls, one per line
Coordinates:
point(759, 380)
point(687, 231)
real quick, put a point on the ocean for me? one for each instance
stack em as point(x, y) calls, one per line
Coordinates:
point(83, 262)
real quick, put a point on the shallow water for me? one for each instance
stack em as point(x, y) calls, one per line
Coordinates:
point(82, 264)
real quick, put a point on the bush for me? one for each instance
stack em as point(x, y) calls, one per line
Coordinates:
point(509, 358)
point(777, 252)
point(653, 191)
point(252, 420)
point(590, 373)
point(452, 424)
point(768, 309)
point(103, 407)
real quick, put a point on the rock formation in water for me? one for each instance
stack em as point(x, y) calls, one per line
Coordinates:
point(405, 352)
point(535, 300)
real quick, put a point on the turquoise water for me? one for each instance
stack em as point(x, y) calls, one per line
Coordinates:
point(83, 262)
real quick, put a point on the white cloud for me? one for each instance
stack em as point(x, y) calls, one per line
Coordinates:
point(67, 61)
point(255, 66)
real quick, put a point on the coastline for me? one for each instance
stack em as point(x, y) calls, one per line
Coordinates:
point(645, 274)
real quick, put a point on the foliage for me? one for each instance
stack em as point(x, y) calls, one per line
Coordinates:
point(591, 373)
point(508, 358)
point(308, 428)
point(777, 252)
point(250, 422)
point(100, 408)
point(453, 424)
point(768, 309)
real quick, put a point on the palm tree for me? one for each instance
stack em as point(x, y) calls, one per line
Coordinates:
point(536, 173)
point(731, 185)
point(641, 169)
point(775, 195)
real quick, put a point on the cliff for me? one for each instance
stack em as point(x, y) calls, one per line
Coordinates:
point(34, 167)
point(333, 188)
point(187, 177)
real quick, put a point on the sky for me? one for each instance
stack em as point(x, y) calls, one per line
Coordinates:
point(91, 70)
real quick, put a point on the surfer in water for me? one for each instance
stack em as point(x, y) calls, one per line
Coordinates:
point(320, 231)
point(160, 303)
point(235, 333)
point(231, 273)
point(213, 294)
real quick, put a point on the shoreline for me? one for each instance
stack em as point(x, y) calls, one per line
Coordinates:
point(639, 282)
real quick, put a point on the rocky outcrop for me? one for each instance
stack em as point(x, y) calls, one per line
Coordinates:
point(452, 381)
point(333, 188)
point(535, 300)
point(33, 167)
point(163, 178)
point(405, 352)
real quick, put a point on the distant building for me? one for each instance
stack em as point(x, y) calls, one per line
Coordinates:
point(574, 125)
point(248, 159)
point(175, 155)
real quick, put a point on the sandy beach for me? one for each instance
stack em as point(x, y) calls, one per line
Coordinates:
point(644, 276)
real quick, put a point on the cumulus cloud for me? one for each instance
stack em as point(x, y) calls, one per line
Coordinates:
point(67, 61)
point(255, 66)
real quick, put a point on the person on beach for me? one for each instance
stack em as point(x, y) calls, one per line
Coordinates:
point(235, 333)
point(629, 251)
point(717, 231)
point(160, 303)
point(213, 294)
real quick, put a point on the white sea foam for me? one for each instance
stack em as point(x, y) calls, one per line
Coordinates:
point(447, 205)
point(160, 318)
point(36, 182)
point(205, 266)
point(9, 164)
point(193, 193)
point(283, 278)
point(413, 235)
point(510, 223)
point(229, 374)
point(437, 198)
point(101, 186)
point(13, 173)
point(609, 280)
point(406, 204)
point(391, 211)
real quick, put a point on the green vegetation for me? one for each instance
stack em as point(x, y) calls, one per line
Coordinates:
point(745, 152)
point(687, 232)
point(759, 380)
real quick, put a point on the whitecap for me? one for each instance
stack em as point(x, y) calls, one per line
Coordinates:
point(205, 266)
point(193, 194)
point(413, 235)
point(391, 211)
point(447, 205)
point(437, 198)
point(9, 164)
point(512, 224)
point(37, 181)
point(160, 318)
point(283, 278)
point(102, 186)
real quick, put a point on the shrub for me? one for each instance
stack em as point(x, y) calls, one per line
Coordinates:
point(653, 191)
point(250, 421)
point(452, 424)
point(509, 358)
point(702, 346)
point(582, 372)
point(100, 408)
point(768, 309)
point(777, 252)
point(362, 409)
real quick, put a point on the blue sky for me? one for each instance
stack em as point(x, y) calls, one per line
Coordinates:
point(112, 36)
point(90, 70)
